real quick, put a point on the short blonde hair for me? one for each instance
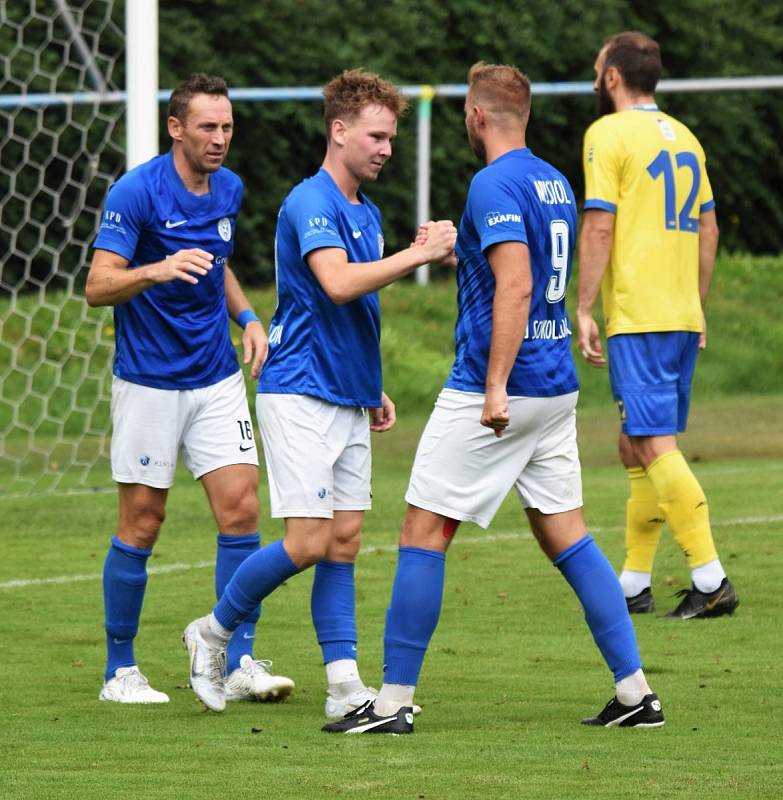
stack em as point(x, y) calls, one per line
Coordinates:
point(346, 95)
point(501, 89)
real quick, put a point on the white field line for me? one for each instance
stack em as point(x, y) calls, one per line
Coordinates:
point(488, 538)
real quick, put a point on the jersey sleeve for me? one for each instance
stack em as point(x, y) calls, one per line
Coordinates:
point(496, 212)
point(313, 217)
point(600, 159)
point(706, 199)
point(123, 218)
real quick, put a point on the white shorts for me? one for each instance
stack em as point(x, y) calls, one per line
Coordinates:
point(210, 426)
point(463, 471)
point(317, 455)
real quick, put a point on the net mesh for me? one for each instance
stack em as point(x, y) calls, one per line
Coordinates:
point(61, 148)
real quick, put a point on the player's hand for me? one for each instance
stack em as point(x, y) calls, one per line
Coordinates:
point(439, 241)
point(703, 334)
point(495, 413)
point(589, 339)
point(383, 418)
point(255, 347)
point(184, 265)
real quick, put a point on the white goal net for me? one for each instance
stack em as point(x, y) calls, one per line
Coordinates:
point(61, 147)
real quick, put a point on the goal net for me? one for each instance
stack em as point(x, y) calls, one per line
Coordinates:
point(61, 148)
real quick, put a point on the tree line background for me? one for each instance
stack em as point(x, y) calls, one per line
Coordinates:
point(306, 42)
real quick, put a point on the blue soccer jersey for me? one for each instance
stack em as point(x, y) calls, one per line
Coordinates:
point(317, 347)
point(517, 198)
point(172, 335)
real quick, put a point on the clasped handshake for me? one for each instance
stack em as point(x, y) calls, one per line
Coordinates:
point(439, 238)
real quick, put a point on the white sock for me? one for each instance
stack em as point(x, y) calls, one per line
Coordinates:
point(392, 697)
point(214, 632)
point(631, 689)
point(343, 678)
point(634, 582)
point(708, 577)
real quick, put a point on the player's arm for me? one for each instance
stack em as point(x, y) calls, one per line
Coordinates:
point(510, 263)
point(595, 247)
point(110, 281)
point(344, 281)
point(708, 248)
point(255, 344)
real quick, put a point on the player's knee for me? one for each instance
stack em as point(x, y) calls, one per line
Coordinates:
point(240, 515)
point(426, 530)
point(142, 527)
point(306, 552)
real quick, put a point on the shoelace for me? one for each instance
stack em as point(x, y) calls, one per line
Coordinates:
point(133, 679)
point(259, 665)
point(217, 668)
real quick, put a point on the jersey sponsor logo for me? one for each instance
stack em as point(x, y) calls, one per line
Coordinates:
point(275, 334)
point(666, 129)
point(496, 218)
point(112, 222)
point(551, 192)
point(317, 226)
point(224, 229)
point(170, 224)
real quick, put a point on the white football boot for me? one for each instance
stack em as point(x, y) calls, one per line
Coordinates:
point(253, 680)
point(207, 667)
point(129, 686)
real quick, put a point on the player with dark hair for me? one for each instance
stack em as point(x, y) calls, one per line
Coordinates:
point(648, 242)
point(506, 417)
point(322, 378)
point(161, 259)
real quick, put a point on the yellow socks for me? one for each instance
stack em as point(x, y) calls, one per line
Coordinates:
point(684, 505)
point(643, 523)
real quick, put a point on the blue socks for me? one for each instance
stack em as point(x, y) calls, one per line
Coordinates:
point(413, 614)
point(256, 577)
point(124, 582)
point(333, 607)
point(591, 576)
point(231, 552)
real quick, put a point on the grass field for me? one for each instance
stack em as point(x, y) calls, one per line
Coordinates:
point(510, 672)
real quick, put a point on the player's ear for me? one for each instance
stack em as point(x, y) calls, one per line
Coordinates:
point(612, 77)
point(175, 128)
point(339, 129)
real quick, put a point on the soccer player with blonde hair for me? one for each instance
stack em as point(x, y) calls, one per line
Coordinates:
point(320, 392)
point(506, 417)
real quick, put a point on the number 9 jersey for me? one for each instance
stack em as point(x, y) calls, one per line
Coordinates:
point(649, 170)
point(517, 198)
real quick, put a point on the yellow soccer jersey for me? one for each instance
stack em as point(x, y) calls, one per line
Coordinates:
point(649, 170)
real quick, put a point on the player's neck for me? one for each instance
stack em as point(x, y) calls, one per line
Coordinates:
point(624, 101)
point(195, 182)
point(345, 180)
point(499, 144)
